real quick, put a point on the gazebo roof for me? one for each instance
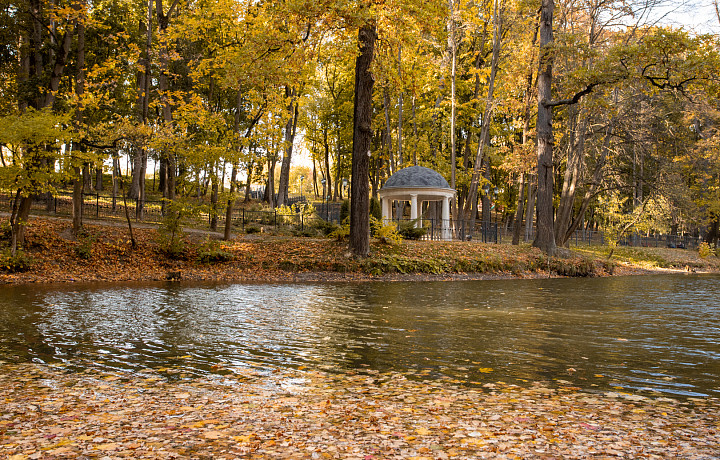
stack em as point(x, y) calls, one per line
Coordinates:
point(416, 177)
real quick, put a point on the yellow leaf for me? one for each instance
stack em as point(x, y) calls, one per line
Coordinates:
point(422, 431)
point(107, 446)
point(215, 434)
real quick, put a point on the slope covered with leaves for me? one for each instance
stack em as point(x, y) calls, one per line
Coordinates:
point(104, 253)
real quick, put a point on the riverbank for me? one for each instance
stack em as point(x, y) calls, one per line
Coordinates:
point(48, 412)
point(104, 253)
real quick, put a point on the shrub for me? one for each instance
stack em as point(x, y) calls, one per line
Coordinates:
point(341, 232)
point(375, 208)
point(704, 250)
point(5, 231)
point(385, 233)
point(250, 229)
point(344, 210)
point(19, 262)
point(171, 237)
point(212, 251)
point(325, 227)
point(408, 230)
point(84, 249)
point(307, 232)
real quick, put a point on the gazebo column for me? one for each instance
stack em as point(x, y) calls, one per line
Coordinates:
point(446, 235)
point(385, 210)
point(414, 209)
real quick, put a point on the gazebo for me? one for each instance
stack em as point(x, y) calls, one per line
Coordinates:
point(418, 184)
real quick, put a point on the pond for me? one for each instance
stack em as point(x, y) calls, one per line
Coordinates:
point(656, 334)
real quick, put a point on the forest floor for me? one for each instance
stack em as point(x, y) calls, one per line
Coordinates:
point(58, 411)
point(104, 253)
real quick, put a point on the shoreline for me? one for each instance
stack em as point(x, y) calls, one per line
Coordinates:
point(103, 254)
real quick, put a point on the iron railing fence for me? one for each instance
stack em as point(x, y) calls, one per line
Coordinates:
point(106, 207)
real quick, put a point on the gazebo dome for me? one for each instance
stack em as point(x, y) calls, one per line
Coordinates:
point(416, 177)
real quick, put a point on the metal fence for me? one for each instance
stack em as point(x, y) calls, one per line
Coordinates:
point(105, 207)
point(94, 206)
point(598, 238)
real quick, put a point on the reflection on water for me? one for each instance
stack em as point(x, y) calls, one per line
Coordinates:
point(655, 333)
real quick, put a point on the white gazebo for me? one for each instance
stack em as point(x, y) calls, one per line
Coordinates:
point(417, 184)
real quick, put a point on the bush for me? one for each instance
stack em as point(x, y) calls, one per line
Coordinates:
point(375, 209)
point(704, 250)
point(84, 249)
point(171, 237)
point(20, 262)
point(307, 232)
point(341, 233)
point(408, 230)
point(344, 210)
point(5, 231)
point(385, 233)
point(212, 251)
point(250, 229)
point(325, 227)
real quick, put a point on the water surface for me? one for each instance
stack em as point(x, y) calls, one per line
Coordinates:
point(644, 333)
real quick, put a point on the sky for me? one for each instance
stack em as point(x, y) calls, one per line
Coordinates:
point(696, 15)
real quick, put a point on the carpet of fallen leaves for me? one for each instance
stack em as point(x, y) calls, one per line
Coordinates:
point(57, 257)
point(51, 413)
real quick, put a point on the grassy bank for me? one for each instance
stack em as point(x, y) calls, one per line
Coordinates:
point(103, 253)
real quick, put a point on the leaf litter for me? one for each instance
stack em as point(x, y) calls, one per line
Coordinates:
point(49, 412)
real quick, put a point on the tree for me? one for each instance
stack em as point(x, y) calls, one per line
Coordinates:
point(545, 237)
point(362, 138)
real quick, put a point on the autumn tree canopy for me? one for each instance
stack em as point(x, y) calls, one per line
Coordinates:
point(544, 114)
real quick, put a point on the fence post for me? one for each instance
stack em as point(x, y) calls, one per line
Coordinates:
point(97, 204)
point(243, 219)
point(275, 221)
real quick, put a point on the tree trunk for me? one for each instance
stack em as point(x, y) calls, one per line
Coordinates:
point(362, 139)
point(99, 180)
point(400, 111)
point(78, 183)
point(517, 228)
point(530, 209)
point(19, 224)
point(290, 130)
point(415, 133)
point(576, 154)
point(326, 173)
point(594, 184)
point(164, 90)
point(388, 135)
point(248, 187)
point(470, 204)
point(77, 200)
point(270, 184)
point(545, 237)
point(214, 201)
point(115, 174)
point(453, 69)
point(230, 204)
